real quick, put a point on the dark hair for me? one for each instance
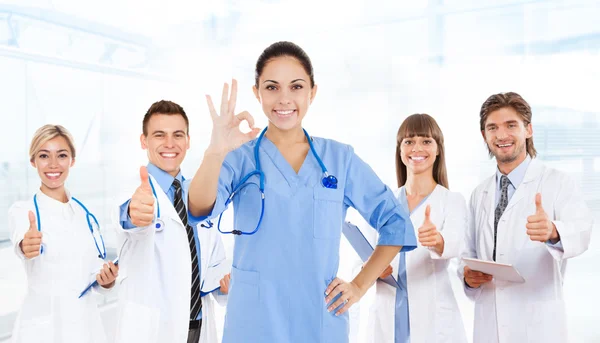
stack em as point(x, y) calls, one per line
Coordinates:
point(422, 125)
point(280, 49)
point(514, 101)
point(164, 107)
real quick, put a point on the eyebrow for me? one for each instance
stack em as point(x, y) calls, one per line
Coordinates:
point(61, 150)
point(48, 151)
point(164, 133)
point(273, 81)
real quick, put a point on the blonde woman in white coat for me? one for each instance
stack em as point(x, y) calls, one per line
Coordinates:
point(51, 234)
point(424, 309)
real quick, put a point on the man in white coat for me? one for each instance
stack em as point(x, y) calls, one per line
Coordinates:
point(169, 260)
point(527, 215)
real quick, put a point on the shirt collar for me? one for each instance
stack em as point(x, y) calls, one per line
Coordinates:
point(164, 179)
point(46, 201)
point(516, 176)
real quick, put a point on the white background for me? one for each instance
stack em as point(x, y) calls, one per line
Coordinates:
point(96, 67)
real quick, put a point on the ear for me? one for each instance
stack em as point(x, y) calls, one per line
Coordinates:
point(255, 91)
point(187, 145)
point(313, 93)
point(529, 131)
point(72, 161)
point(483, 135)
point(143, 141)
point(33, 163)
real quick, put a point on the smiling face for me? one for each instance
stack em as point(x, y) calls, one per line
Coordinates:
point(52, 161)
point(167, 141)
point(420, 150)
point(418, 154)
point(505, 134)
point(285, 92)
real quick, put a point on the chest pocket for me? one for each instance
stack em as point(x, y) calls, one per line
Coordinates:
point(327, 212)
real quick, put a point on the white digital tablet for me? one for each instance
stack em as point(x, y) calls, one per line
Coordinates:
point(500, 271)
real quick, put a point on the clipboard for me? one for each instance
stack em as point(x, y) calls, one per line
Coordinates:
point(213, 276)
point(95, 282)
point(364, 248)
point(500, 271)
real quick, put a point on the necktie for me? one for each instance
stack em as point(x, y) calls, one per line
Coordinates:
point(195, 303)
point(504, 182)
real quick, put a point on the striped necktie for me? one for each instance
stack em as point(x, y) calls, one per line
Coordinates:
point(504, 182)
point(195, 302)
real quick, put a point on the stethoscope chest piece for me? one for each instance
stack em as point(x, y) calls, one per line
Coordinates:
point(159, 224)
point(329, 181)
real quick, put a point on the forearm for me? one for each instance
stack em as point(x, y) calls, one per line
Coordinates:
point(379, 260)
point(203, 188)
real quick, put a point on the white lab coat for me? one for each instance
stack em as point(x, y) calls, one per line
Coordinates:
point(533, 311)
point(433, 310)
point(155, 272)
point(51, 311)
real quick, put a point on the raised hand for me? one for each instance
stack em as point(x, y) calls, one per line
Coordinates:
point(429, 236)
point(226, 134)
point(141, 206)
point(539, 226)
point(32, 241)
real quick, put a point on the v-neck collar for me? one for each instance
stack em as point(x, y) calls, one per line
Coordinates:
point(293, 179)
point(403, 200)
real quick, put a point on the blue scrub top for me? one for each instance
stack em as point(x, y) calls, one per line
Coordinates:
point(280, 273)
point(402, 319)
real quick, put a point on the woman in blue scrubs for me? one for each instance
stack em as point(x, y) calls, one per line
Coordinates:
point(283, 282)
point(424, 309)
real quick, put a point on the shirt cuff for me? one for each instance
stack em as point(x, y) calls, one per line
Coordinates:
point(18, 251)
point(124, 219)
point(558, 245)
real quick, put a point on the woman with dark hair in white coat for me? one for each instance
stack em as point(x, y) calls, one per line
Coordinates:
point(424, 309)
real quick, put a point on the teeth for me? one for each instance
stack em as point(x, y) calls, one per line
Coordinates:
point(53, 174)
point(285, 112)
point(504, 145)
point(169, 155)
point(417, 158)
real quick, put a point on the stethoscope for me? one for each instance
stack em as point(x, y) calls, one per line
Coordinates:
point(328, 181)
point(159, 224)
point(88, 215)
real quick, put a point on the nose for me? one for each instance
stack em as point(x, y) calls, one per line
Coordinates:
point(417, 147)
point(170, 141)
point(501, 133)
point(53, 162)
point(285, 97)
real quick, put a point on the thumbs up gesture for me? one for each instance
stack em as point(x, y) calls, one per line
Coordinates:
point(539, 227)
point(141, 206)
point(429, 236)
point(32, 241)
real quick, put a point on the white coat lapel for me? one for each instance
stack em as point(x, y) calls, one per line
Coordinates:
point(166, 207)
point(489, 202)
point(529, 187)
